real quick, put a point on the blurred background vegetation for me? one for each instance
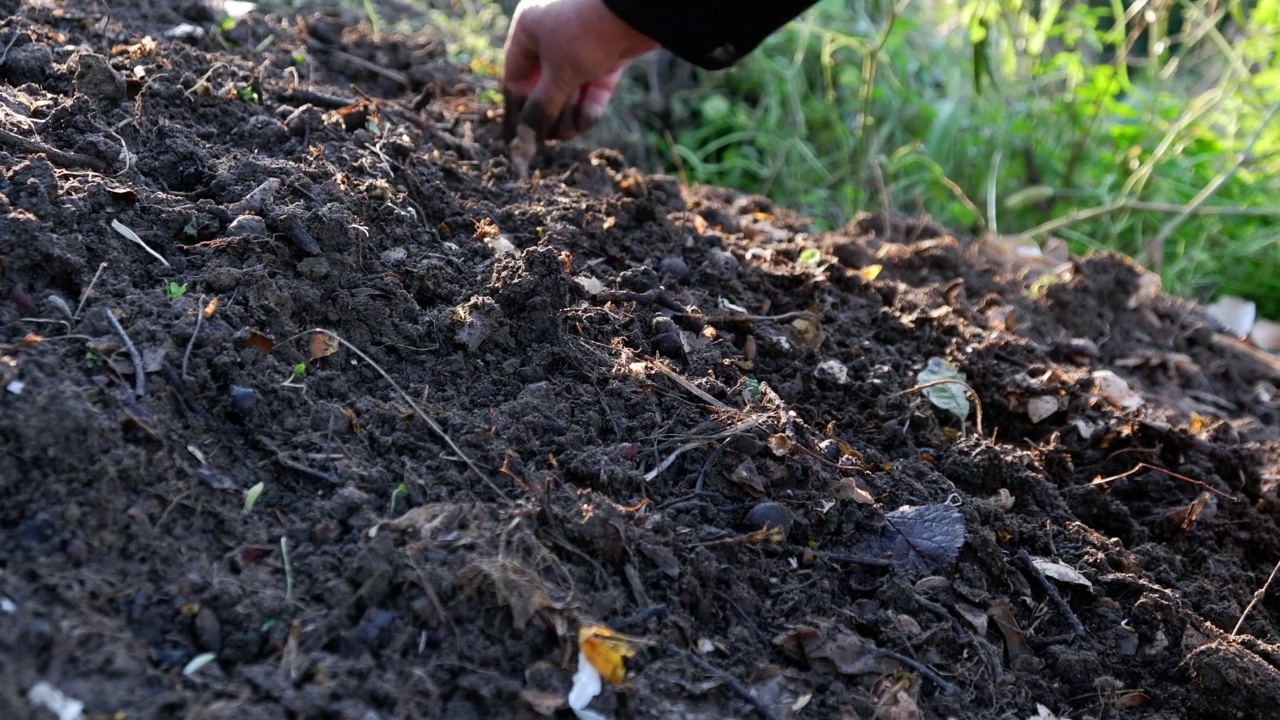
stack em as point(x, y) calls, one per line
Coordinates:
point(1148, 127)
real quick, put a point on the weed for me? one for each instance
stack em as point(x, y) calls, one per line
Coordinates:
point(173, 290)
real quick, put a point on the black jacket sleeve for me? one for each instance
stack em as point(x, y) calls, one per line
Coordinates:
point(712, 34)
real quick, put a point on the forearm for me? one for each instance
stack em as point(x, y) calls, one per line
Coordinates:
point(712, 34)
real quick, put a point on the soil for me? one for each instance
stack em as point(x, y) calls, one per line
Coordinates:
point(311, 408)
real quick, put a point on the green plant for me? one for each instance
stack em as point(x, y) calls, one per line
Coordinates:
point(401, 491)
point(1012, 117)
point(173, 290)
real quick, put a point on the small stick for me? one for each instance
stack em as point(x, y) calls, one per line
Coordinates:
point(288, 569)
point(297, 466)
point(1147, 466)
point(131, 235)
point(435, 426)
point(139, 373)
point(1256, 597)
point(84, 297)
point(1059, 602)
point(56, 156)
point(946, 687)
point(731, 682)
point(682, 382)
point(191, 343)
point(977, 404)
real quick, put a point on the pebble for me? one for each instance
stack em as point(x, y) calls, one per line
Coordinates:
point(768, 515)
point(243, 398)
point(674, 268)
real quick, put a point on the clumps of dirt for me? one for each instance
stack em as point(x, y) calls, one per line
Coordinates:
point(589, 399)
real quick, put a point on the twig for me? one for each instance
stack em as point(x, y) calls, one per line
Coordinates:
point(682, 382)
point(977, 404)
point(648, 297)
point(730, 681)
point(288, 569)
point(139, 372)
point(946, 687)
point(191, 343)
point(1256, 597)
point(297, 466)
point(666, 463)
point(56, 156)
point(853, 559)
point(1059, 602)
point(1147, 466)
point(435, 426)
point(131, 235)
point(84, 297)
point(1154, 251)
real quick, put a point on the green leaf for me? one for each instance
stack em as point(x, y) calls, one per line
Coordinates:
point(949, 396)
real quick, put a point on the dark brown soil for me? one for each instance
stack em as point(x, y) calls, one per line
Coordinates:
point(702, 451)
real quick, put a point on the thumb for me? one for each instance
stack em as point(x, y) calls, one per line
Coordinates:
point(542, 111)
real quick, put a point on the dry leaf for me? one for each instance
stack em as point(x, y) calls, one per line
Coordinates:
point(749, 478)
point(260, 342)
point(870, 272)
point(829, 648)
point(606, 650)
point(1021, 657)
point(1060, 571)
point(323, 345)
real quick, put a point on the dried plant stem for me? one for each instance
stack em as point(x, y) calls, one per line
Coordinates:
point(1256, 597)
point(139, 372)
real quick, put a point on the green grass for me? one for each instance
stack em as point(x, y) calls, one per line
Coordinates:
point(990, 116)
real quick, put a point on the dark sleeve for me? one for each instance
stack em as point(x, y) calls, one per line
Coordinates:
point(712, 34)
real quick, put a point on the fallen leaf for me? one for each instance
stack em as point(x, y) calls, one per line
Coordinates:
point(606, 650)
point(1060, 571)
point(323, 345)
point(748, 477)
point(260, 342)
point(1132, 699)
point(924, 534)
point(1021, 657)
point(949, 396)
point(829, 648)
point(870, 272)
point(974, 616)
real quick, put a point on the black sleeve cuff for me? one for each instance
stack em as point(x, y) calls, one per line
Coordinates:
point(712, 35)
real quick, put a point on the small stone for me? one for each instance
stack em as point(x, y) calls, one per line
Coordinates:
point(770, 515)
point(243, 398)
point(674, 268)
point(208, 630)
point(247, 226)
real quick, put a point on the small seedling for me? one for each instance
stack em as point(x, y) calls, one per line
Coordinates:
point(401, 491)
point(173, 290)
point(251, 497)
point(299, 58)
point(810, 256)
point(93, 359)
point(248, 95)
point(298, 371)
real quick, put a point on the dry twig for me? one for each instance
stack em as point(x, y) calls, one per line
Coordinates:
point(139, 372)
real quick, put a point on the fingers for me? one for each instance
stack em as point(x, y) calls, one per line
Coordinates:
point(594, 99)
point(550, 99)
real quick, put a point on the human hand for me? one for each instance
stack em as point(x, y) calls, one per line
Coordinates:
point(563, 62)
